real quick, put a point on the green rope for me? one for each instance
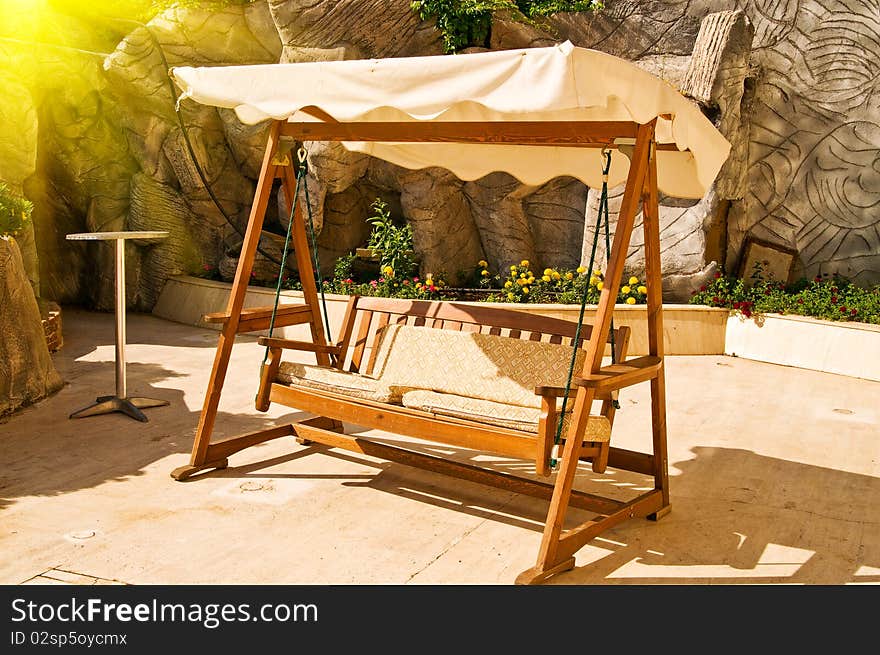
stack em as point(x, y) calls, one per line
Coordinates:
point(314, 241)
point(576, 344)
point(299, 177)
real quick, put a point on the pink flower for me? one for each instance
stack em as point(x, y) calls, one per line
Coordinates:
point(381, 279)
point(207, 267)
point(348, 280)
point(415, 279)
point(373, 283)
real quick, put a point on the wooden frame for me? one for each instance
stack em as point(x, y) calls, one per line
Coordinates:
point(558, 546)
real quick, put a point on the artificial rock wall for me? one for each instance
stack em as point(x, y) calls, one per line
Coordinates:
point(792, 84)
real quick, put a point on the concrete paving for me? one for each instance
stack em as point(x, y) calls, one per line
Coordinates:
point(775, 478)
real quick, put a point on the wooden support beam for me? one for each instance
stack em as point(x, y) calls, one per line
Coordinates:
point(552, 133)
point(579, 499)
point(236, 301)
point(549, 554)
point(651, 225)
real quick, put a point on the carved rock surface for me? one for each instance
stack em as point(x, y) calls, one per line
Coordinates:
point(26, 370)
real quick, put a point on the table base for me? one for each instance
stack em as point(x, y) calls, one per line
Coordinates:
point(128, 406)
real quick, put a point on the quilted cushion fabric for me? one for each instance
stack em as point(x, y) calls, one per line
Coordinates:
point(325, 378)
point(500, 414)
point(482, 366)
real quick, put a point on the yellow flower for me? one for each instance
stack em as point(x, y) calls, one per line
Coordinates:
point(569, 275)
point(521, 281)
point(624, 290)
point(581, 269)
point(643, 290)
point(513, 269)
point(388, 271)
point(508, 284)
point(593, 280)
point(510, 296)
point(524, 262)
point(531, 279)
point(597, 273)
point(484, 273)
point(548, 271)
point(546, 278)
point(525, 290)
point(599, 286)
point(634, 280)
point(630, 301)
point(483, 263)
point(556, 275)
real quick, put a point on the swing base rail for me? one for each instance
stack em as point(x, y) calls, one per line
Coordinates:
point(325, 431)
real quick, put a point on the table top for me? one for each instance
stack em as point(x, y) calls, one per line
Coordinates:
point(107, 236)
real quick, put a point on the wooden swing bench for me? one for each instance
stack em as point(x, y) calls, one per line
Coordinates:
point(470, 376)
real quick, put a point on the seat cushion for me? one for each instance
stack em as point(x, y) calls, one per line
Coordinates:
point(482, 366)
point(324, 378)
point(493, 413)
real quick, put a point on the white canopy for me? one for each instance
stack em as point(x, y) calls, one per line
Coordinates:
point(559, 83)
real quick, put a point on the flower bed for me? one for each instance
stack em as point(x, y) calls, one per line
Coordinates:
point(827, 297)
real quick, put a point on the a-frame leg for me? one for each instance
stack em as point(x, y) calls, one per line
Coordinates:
point(651, 225)
point(199, 459)
point(557, 549)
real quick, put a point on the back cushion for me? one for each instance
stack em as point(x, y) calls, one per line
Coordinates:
point(501, 369)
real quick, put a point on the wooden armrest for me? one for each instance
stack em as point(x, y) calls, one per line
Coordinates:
point(291, 344)
point(554, 392)
point(255, 313)
point(618, 376)
point(559, 392)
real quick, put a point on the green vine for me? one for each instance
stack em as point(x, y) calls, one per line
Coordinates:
point(465, 23)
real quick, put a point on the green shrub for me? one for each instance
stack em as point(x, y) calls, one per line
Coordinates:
point(392, 244)
point(465, 23)
point(15, 212)
point(828, 297)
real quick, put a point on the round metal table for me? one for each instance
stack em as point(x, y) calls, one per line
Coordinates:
point(120, 402)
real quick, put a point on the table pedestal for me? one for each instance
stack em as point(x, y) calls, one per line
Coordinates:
point(120, 402)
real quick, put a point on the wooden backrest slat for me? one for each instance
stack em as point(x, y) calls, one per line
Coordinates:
point(419, 321)
point(515, 334)
point(494, 329)
point(535, 336)
point(360, 344)
point(383, 320)
point(555, 338)
point(476, 313)
point(452, 325)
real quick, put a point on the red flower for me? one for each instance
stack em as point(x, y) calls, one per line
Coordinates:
point(747, 312)
point(833, 300)
point(703, 288)
point(817, 279)
point(715, 299)
point(854, 312)
point(766, 292)
point(348, 280)
point(833, 289)
point(800, 301)
point(717, 274)
point(737, 305)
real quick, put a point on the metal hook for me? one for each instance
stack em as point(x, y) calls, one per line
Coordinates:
point(301, 154)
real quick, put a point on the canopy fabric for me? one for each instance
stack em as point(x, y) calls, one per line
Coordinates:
point(557, 83)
